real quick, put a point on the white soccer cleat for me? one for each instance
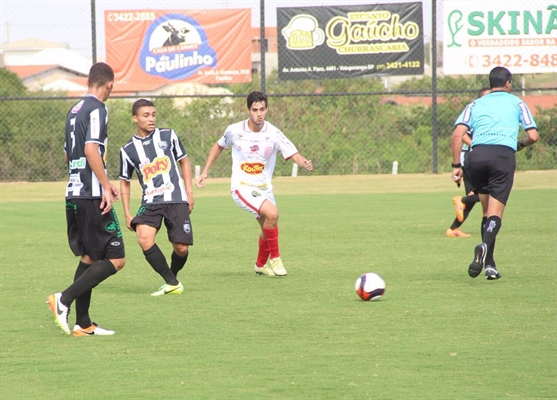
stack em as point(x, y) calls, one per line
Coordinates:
point(264, 270)
point(93, 330)
point(277, 267)
point(59, 311)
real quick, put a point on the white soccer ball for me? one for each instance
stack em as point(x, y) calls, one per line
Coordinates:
point(370, 286)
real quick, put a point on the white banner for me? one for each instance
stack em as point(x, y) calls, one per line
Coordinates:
point(517, 34)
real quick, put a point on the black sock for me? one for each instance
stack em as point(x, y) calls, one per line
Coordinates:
point(178, 262)
point(467, 211)
point(491, 228)
point(456, 224)
point(83, 301)
point(90, 278)
point(484, 220)
point(470, 200)
point(489, 260)
point(158, 262)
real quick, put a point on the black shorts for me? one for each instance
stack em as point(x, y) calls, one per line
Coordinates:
point(466, 173)
point(92, 234)
point(491, 171)
point(176, 218)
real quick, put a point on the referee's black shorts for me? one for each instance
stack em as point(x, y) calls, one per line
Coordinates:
point(491, 171)
point(90, 233)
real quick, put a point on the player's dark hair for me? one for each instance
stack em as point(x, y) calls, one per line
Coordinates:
point(499, 76)
point(100, 74)
point(483, 91)
point(141, 103)
point(255, 97)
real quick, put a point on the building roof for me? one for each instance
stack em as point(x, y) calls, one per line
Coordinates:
point(32, 44)
point(27, 71)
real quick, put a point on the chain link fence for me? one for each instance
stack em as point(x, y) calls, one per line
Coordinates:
point(345, 126)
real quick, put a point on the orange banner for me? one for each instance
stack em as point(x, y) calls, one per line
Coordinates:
point(167, 46)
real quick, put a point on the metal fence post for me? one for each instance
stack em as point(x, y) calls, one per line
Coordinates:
point(434, 84)
point(262, 44)
point(94, 31)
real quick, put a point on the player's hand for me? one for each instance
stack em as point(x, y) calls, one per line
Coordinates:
point(129, 222)
point(115, 193)
point(106, 203)
point(308, 165)
point(457, 175)
point(201, 181)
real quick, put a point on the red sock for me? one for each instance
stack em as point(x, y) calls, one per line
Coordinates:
point(263, 254)
point(272, 241)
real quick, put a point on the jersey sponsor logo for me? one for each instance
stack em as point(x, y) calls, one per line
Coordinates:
point(160, 165)
point(77, 107)
point(252, 168)
point(168, 187)
point(80, 163)
point(254, 148)
point(75, 181)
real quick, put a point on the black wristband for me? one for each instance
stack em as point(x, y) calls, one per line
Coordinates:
point(459, 165)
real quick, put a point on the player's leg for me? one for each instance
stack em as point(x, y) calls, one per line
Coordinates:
point(153, 254)
point(500, 186)
point(146, 224)
point(95, 231)
point(83, 301)
point(269, 226)
point(180, 234)
point(252, 200)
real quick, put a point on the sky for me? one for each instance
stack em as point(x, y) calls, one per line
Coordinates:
point(69, 22)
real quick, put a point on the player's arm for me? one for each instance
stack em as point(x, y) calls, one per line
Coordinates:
point(302, 161)
point(467, 139)
point(214, 154)
point(125, 191)
point(110, 193)
point(185, 166)
point(532, 136)
point(456, 147)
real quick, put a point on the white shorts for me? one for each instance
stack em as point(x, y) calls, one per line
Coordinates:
point(251, 198)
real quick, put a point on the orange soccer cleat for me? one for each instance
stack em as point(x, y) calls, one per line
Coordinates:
point(456, 233)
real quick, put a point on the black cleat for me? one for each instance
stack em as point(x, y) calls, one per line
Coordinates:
point(491, 273)
point(477, 264)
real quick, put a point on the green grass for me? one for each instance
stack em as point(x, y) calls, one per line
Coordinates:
point(437, 334)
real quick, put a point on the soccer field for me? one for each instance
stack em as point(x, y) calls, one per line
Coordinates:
point(436, 334)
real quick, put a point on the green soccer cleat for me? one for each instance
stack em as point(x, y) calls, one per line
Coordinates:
point(277, 267)
point(169, 289)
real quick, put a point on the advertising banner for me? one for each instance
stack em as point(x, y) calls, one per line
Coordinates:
point(162, 46)
point(349, 41)
point(516, 34)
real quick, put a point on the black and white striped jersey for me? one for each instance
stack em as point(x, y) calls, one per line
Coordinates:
point(155, 160)
point(86, 122)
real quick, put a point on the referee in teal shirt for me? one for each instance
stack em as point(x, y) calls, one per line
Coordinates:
point(495, 120)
